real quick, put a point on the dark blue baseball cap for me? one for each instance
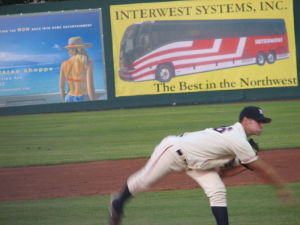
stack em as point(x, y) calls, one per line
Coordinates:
point(256, 113)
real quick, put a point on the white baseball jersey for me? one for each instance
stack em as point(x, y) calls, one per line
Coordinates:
point(211, 148)
point(196, 153)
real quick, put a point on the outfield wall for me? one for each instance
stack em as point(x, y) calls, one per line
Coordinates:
point(120, 99)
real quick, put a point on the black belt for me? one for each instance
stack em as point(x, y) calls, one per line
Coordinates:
point(179, 152)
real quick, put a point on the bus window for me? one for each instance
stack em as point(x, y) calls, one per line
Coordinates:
point(155, 40)
point(128, 45)
point(143, 41)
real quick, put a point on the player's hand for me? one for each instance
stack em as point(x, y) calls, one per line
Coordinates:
point(286, 196)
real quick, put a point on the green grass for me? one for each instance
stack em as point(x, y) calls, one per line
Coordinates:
point(247, 205)
point(43, 139)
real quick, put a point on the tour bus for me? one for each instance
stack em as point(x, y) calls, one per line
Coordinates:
point(161, 50)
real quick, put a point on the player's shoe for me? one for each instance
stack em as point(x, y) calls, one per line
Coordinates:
point(114, 215)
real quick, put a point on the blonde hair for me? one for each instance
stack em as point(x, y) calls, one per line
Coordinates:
point(81, 55)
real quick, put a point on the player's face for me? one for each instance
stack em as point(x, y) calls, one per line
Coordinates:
point(255, 127)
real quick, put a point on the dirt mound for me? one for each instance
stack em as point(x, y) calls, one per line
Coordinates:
point(104, 177)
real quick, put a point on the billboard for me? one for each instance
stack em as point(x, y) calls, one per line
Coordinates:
point(198, 46)
point(51, 58)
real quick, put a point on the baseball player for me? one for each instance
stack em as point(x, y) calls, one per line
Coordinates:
point(205, 156)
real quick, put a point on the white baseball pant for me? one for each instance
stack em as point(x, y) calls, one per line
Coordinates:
point(166, 159)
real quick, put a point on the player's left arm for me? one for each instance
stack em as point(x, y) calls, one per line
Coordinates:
point(230, 171)
point(235, 166)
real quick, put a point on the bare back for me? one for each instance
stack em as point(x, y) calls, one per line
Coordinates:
point(75, 73)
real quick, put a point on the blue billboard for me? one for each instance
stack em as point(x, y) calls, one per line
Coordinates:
point(51, 58)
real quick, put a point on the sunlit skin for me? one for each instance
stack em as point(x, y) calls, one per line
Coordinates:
point(252, 127)
point(77, 88)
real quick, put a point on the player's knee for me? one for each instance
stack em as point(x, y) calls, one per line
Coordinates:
point(218, 198)
point(137, 185)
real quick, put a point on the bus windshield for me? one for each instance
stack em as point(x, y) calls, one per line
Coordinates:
point(128, 45)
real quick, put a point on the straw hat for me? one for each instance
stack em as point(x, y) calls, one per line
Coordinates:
point(76, 42)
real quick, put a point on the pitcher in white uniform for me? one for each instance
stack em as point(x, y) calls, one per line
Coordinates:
point(205, 156)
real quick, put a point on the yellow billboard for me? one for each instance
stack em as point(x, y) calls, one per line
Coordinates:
point(203, 45)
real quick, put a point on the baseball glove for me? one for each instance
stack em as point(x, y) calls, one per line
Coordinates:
point(254, 145)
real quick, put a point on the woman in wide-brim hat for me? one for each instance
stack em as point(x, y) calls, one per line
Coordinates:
point(78, 72)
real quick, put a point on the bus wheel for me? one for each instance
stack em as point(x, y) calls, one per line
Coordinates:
point(260, 58)
point(271, 57)
point(164, 72)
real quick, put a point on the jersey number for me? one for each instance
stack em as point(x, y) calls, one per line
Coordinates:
point(222, 129)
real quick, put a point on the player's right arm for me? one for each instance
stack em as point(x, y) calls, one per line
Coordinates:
point(270, 175)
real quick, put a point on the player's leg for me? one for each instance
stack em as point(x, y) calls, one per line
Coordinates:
point(161, 163)
point(164, 160)
point(116, 206)
point(215, 190)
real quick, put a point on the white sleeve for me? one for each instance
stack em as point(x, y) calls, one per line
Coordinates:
point(244, 152)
